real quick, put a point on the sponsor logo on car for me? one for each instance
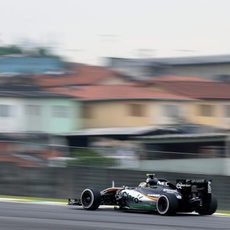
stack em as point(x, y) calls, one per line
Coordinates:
point(154, 195)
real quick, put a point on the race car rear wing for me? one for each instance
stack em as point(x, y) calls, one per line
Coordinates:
point(194, 186)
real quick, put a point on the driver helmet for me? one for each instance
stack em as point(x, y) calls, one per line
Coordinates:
point(151, 181)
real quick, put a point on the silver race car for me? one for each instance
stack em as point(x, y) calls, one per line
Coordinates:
point(158, 195)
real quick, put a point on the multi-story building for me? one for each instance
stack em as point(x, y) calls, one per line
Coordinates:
point(211, 67)
point(128, 106)
point(110, 99)
point(29, 108)
point(211, 104)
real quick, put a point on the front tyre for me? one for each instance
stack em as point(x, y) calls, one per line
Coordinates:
point(209, 206)
point(167, 204)
point(90, 199)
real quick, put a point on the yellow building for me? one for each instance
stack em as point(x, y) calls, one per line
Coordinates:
point(109, 99)
point(130, 106)
point(211, 99)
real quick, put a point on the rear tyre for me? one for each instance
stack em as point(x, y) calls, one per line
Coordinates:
point(90, 199)
point(167, 204)
point(209, 207)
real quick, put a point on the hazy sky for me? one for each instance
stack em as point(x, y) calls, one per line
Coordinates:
point(87, 30)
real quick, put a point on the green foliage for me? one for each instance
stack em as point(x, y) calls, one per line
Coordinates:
point(36, 51)
point(89, 157)
point(41, 51)
point(12, 49)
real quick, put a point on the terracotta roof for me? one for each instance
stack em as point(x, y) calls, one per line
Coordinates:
point(119, 92)
point(81, 75)
point(196, 89)
point(180, 78)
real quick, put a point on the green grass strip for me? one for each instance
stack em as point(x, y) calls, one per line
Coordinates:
point(224, 211)
point(27, 198)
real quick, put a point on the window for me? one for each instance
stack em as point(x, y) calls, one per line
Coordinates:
point(136, 110)
point(171, 111)
point(87, 111)
point(5, 110)
point(206, 110)
point(227, 111)
point(60, 111)
point(33, 110)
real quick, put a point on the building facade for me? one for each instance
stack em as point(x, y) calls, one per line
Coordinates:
point(133, 113)
point(47, 114)
point(210, 67)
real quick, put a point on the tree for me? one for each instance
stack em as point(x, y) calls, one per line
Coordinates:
point(36, 51)
point(12, 49)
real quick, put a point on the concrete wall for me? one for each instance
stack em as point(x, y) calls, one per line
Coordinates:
point(69, 182)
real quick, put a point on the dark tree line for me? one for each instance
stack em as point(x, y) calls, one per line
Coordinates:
point(15, 49)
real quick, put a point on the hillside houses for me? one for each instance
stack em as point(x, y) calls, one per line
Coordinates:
point(92, 98)
point(97, 97)
point(164, 100)
point(124, 105)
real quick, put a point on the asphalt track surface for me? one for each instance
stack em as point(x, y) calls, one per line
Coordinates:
point(36, 216)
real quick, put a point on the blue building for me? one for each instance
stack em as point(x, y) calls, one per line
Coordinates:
point(13, 65)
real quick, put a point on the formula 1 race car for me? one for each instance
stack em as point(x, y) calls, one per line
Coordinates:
point(158, 195)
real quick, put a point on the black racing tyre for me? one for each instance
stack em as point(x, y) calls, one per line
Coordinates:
point(167, 204)
point(90, 199)
point(209, 207)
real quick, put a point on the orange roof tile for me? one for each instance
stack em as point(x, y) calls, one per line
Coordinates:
point(180, 78)
point(117, 92)
point(81, 75)
point(198, 90)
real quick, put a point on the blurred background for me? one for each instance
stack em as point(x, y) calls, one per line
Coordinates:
point(90, 95)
